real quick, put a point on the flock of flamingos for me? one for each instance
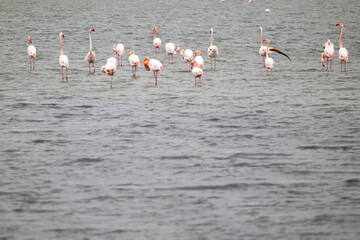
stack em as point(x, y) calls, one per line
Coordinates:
point(196, 62)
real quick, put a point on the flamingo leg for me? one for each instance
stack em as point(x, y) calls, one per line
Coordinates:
point(327, 60)
point(135, 72)
point(93, 67)
point(89, 68)
point(62, 74)
point(172, 59)
point(118, 60)
point(341, 64)
point(66, 75)
point(215, 63)
point(195, 81)
point(211, 62)
point(200, 81)
point(34, 64)
point(30, 62)
point(111, 81)
point(344, 66)
point(264, 60)
point(267, 71)
point(121, 60)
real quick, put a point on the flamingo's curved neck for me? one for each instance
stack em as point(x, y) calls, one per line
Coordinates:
point(61, 46)
point(211, 42)
point(155, 33)
point(177, 48)
point(261, 38)
point(90, 41)
point(267, 49)
point(342, 28)
point(29, 41)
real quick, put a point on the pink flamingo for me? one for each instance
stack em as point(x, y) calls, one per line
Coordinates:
point(153, 65)
point(63, 60)
point(31, 52)
point(90, 57)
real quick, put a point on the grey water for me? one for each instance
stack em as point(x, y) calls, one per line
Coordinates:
point(244, 156)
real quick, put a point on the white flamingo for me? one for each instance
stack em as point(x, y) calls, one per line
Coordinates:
point(31, 52)
point(329, 51)
point(90, 57)
point(199, 59)
point(171, 49)
point(156, 41)
point(110, 68)
point(134, 62)
point(196, 71)
point(269, 62)
point(153, 65)
point(119, 50)
point(187, 55)
point(63, 60)
point(213, 51)
point(343, 53)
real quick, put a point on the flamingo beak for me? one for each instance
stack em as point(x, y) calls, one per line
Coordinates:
point(278, 51)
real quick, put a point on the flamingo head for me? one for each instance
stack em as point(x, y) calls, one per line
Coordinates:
point(62, 35)
point(146, 63)
point(260, 29)
point(193, 64)
point(154, 30)
point(103, 69)
point(197, 53)
point(92, 30)
point(322, 59)
point(340, 24)
point(211, 30)
point(131, 53)
point(328, 42)
point(177, 48)
point(182, 53)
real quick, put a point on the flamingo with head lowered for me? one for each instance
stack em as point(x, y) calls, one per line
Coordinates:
point(110, 68)
point(90, 57)
point(171, 49)
point(63, 60)
point(31, 52)
point(329, 51)
point(187, 55)
point(343, 53)
point(156, 41)
point(119, 50)
point(153, 65)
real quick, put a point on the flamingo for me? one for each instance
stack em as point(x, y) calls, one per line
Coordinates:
point(63, 60)
point(262, 49)
point(134, 62)
point(31, 52)
point(171, 49)
point(197, 72)
point(329, 51)
point(90, 57)
point(187, 55)
point(213, 51)
point(119, 50)
point(153, 65)
point(110, 68)
point(343, 53)
point(269, 62)
point(198, 59)
point(156, 41)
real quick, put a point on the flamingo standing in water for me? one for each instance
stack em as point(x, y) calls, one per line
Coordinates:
point(153, 65)
point(196, 71)
point(90, 57)
point(31, 52)
point(213, 51)
point(171, 49)
point(187, 55)
point(329, 51)
point(63, 60)
point(156, 41)
point(134, 62)
point(119, 50)
point(343, 53)
point(269, 62)
point(110, 68)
